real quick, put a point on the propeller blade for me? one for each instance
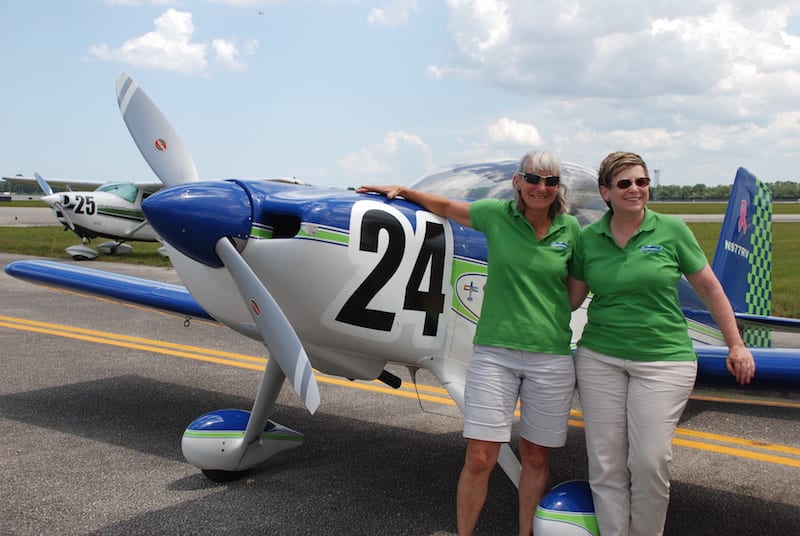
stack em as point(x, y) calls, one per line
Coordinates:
point(282, 341)
point(157, 140)
point(43, 184)
point(56, 203)
point(65, 215)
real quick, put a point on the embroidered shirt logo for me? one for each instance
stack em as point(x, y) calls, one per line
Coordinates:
point(650, 249)
point(559, 245)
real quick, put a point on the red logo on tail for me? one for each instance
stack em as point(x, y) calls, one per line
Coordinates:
point(743, 216)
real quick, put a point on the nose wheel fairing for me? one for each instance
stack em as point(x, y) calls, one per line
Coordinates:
point(214, 442)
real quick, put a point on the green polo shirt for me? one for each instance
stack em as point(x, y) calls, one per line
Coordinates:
point(635, 312)
point(525, 303)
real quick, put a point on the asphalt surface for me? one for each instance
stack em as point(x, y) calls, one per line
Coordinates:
point(91, 422)
point(11, 216)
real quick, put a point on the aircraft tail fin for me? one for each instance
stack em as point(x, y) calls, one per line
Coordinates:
point(743, 258)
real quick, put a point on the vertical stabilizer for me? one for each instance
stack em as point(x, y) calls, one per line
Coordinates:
point(743, 258)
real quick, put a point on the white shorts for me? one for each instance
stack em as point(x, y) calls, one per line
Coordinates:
point(543, 383)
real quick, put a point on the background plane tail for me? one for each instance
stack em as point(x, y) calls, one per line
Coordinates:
point(743, 258)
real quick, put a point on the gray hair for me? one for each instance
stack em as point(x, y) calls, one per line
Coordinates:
point(544, 163)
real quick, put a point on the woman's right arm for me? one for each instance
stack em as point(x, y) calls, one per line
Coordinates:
point(458, 211)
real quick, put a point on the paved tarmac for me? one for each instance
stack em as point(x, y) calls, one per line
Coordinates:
point(11, 216)
point(95, 395)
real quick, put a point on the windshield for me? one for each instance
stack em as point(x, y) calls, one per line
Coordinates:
point(125, 190)
point(493, 179)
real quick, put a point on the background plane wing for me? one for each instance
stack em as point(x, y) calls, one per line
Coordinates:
point(81, 184)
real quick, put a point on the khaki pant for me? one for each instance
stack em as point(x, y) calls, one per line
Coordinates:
point(631, 410)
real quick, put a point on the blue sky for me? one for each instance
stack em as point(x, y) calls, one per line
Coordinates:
point(347, 92)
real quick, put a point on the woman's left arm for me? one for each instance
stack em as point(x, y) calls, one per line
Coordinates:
point(740, 361)
point(577, 291)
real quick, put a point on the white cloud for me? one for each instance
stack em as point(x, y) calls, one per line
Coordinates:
point(689, 82)
point(226, 54)
point(478, 28)
point(611, 49)
point(643, 139)
point(248, 3)
point(673, 79)
point(395, 13)
point(140, 2)
point(251, 46)
point(169, 47)
point(399, 156)
point(508, 131)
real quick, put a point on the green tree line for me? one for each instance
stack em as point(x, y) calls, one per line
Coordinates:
point(781, 191)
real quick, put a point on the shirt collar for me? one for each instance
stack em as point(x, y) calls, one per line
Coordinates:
point(556, 224)
point(648, 223)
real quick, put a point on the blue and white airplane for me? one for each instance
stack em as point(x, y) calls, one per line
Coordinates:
point(349, 283)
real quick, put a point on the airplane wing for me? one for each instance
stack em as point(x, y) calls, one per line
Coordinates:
point(776, 368)
point(81, 184)
point(156, 294)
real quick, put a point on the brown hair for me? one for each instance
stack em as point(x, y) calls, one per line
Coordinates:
point(616, 162)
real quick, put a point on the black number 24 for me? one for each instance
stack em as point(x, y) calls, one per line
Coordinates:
point(355, 310)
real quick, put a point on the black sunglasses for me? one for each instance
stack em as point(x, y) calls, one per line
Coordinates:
point(641, 182)
point(533, 178)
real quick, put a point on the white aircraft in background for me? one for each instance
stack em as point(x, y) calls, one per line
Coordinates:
point(347, 283)
point(108, 210)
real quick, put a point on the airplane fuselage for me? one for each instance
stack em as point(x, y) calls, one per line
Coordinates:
point(364, 281)
point(102, 214)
